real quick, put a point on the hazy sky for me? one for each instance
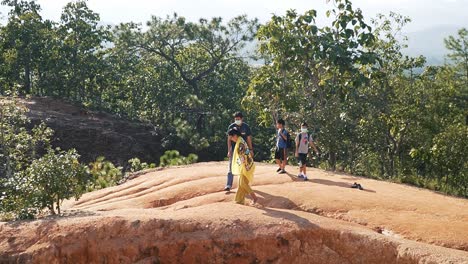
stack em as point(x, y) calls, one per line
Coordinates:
point(424, 13)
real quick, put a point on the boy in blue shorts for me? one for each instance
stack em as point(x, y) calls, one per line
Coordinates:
point(281, 153)
point(303, 140)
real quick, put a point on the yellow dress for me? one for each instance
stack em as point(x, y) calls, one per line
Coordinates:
point(243, 165)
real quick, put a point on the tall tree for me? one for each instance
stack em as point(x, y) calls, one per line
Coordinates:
point(23, 42)
point(195, 50)
point(82, 51)
point(458, 48)
point(315, 71)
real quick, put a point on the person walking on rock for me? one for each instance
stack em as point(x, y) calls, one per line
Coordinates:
point(246, 134)
point(303, 140)
point(281, 153)
point(242, 165)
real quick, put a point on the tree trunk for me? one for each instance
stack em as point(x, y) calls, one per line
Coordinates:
point(332, 160)
point(51, 208)
point(27, 79)
point(58, 204)
point(392, 165)
point(199, 124)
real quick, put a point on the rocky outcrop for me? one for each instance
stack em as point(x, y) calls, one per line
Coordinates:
point(178, 215)
point(243, 235)
point(95, 134)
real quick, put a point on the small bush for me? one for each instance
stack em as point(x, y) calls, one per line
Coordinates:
point(137, 165)
point(173, 158)
point(48, 181)
point(104, 174)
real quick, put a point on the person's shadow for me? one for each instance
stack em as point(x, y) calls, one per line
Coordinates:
point(269, 201)
point(326, 182)
point(293, 177)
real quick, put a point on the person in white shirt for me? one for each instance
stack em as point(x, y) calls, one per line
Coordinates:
point(303, 140)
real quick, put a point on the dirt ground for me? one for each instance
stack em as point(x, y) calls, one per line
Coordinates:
point(404, 218)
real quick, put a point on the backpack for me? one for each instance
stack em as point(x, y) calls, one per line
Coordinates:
point(308, 137)
point(289, 141)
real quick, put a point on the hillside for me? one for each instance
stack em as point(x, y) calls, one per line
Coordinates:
point(95, 134)
point(430, 43)
point(180, 215)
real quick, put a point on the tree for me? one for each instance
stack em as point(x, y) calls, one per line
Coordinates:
point(195, 50)
point(104, 173)
point(314, 72)
point(54, 177)
point(18, 145)
point(82, 52)
point(395, 94)
point(449, 158)
point(33, 175)
point(24, 41)
point(183, 75)
point(458, 48)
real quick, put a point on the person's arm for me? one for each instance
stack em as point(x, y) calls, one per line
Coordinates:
point(229, 142)
point(297, 146)
point(283, 134)
point(249, 142)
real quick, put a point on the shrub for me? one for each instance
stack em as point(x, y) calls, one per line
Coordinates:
point(137, 165)
point(48, 181)
point(173, 158)
point(104, 174)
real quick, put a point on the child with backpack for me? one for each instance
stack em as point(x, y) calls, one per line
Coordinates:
point(282, 142)
point(303, 140)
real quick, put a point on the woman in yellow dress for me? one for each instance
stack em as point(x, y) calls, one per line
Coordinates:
point(242, 165)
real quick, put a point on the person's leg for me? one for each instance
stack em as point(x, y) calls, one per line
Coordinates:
point(278, 162)
point(230, 177)
point(281, 154)
point(299, 162)
point(305, 168)
point(285, 158)
point(254, 197)
point(248, 190)
point(278, 159)
point(302, 164)
point(242, 190)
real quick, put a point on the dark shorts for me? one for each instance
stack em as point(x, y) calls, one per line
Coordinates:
point(302, 159)
point(280, 153)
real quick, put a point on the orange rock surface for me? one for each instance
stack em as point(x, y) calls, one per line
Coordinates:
point(180, 215)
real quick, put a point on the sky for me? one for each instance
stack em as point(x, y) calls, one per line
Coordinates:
point(425, 14)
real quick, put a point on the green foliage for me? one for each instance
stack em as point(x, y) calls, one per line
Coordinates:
point(177, 75)
point(54, 177)
point(198, 73)
point(104, 174)
point(173, 158)
point(137, 165)
point(448, 157)
point(315, 73)
point(458, 47)
point(34, 176)
point(370, 109)
point(48, 181)
point(19, 146)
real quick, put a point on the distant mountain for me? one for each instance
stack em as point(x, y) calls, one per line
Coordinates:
point(430, 43)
